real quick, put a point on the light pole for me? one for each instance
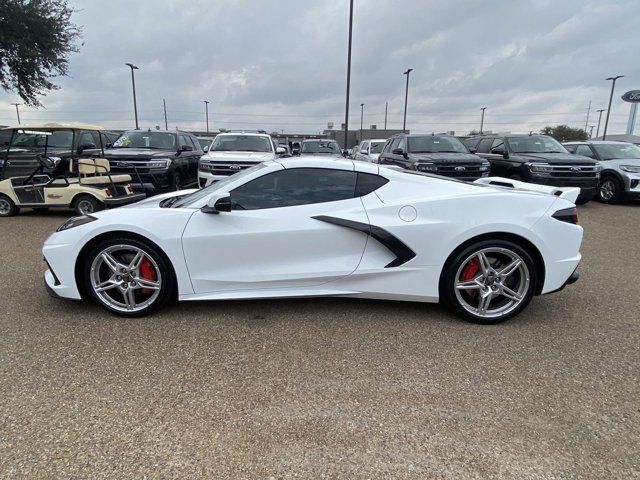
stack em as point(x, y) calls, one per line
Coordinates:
point(17, 111)
point(386, 107)
point(482, 119)
point(133, 84)
point(361, 118)
point(606, 122)
point(346, 109)
point(164, 105)
point(406, 97)
point(206, 112)
point(599, 119)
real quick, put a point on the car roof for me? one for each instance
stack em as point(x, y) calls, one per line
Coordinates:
point(596, 142)
point(55, 126)
point(251, 134)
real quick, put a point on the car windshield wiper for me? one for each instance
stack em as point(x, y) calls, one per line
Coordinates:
point(423, 151)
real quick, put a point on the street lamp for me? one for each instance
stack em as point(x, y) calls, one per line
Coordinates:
point(346, 109)
point(599, 119)
point(406, 97)
point(361, 118)
point(206, 110)
point(17, 111)
point(133, 84)
point(606, 122)
point(482, 119)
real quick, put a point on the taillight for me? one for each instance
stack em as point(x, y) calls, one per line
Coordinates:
point(108, 192)
point(569, 215)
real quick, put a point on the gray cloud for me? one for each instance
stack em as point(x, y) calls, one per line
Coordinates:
point(281, 64)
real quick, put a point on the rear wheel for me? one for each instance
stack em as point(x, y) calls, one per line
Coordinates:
point(610, 190)
point(128, 277)
point(489, 281)
point(7, 207)
point(86, 205)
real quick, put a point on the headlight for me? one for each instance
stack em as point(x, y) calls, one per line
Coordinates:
point(630, 168)
point(75, 222)
point(159, 163)
point(540, 167)
point(427, 167)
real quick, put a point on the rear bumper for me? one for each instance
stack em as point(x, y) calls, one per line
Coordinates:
point(116, 202)
point(573, 278)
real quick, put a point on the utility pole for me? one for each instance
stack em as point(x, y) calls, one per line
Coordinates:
point(206, 112)
point(346, 109)
point(482, 119)
point(591, 131)
point(386, 108)
point(361, 118)
point(133, 84)
point(406, 97)
point(613, 86)
point(164, 104)
point(17, 111)
point(599, 119)
point(586, 123)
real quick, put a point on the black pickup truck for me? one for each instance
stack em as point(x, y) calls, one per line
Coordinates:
point(438, 154)
point(157, 161)
point(537, 159)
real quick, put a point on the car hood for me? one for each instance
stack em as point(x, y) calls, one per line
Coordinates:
point(137, 153)
point(448, 157)
point(238, 156)
point(555, 158)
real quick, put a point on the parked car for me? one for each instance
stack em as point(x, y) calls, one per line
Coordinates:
point(537, 159)
point(312, 226)
point(620, 162)
point(23, 145)
point(231, 152)
point(438, 154)
point(295, 148)
point(369, 150)
point(205, 143)
point(351, 153)
point(158, 161)
point(320, 147)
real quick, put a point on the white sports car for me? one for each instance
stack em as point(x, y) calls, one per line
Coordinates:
point(304, 227)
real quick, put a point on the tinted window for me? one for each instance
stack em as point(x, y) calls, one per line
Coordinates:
point(434, 143)
point(497, 144)
point(535, 144)
point(367, 183)
point(87, 141)
point(138, 139)
point(297, 186)
point(483, 146)
point(184, 141)
point(584, 150)
point(472, 143)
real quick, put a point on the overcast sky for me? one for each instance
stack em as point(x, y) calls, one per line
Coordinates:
point(281, 64)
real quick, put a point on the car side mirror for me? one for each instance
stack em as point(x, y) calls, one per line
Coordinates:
point(473, 150)
point(364, 152)
point(186, 148)
point(218, 203)
point(398, 151)
point(205, 149)
point(281, 151)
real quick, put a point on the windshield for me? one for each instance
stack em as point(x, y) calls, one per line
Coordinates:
point(204, 142)
point(535, 144)
point(214, 187)
point(321, 147)
point(376, 147)
point(137, 139)
point(609, 151)
point(241, 143)
point(436, 144)
point(35, 141)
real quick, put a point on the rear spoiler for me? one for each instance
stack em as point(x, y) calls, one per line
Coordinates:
point(568, 193)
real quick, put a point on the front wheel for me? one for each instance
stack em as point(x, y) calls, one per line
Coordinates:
point(177, 182)
point(128, 277)
point(489, 281)
point(7, 207)
point(610, 190)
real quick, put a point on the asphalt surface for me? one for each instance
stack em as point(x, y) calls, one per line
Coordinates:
point(326, 388)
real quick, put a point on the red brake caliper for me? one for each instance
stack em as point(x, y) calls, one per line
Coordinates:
point(470, 270)
point(148, 273)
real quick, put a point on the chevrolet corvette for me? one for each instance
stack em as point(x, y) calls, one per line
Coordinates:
point(313, 227)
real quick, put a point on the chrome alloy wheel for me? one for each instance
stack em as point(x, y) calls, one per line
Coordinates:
point(125, 278)
point(5, 206)
point(492, 282)
point(607, 190)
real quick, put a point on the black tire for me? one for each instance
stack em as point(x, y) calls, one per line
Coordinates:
point(87, 204)
point(176, 182)
point(8, 207)
point(167, 291)
point(454, 264)
point(583, 200)
point(610, 190)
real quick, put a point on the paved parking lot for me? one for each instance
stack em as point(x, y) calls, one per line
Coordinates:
point(323, 388)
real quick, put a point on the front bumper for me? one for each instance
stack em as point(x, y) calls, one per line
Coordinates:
point(205, 179)
point(59, 279)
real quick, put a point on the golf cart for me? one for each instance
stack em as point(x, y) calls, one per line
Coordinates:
point(83, 184)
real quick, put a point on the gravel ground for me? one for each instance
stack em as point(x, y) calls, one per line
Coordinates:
point(325, 388)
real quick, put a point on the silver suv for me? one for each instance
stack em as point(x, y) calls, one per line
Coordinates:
point(620, 176)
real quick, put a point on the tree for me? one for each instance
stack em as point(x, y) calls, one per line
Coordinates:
point(36, 39)
point(565, 133)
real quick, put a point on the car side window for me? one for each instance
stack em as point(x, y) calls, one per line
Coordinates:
point(387, 146)
point(584, 150)
point(402, 144)
point(497, 144)
point(87, 141)
point(296, 186)
point(367, 183)
point(184, 142)
point(483, 146)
